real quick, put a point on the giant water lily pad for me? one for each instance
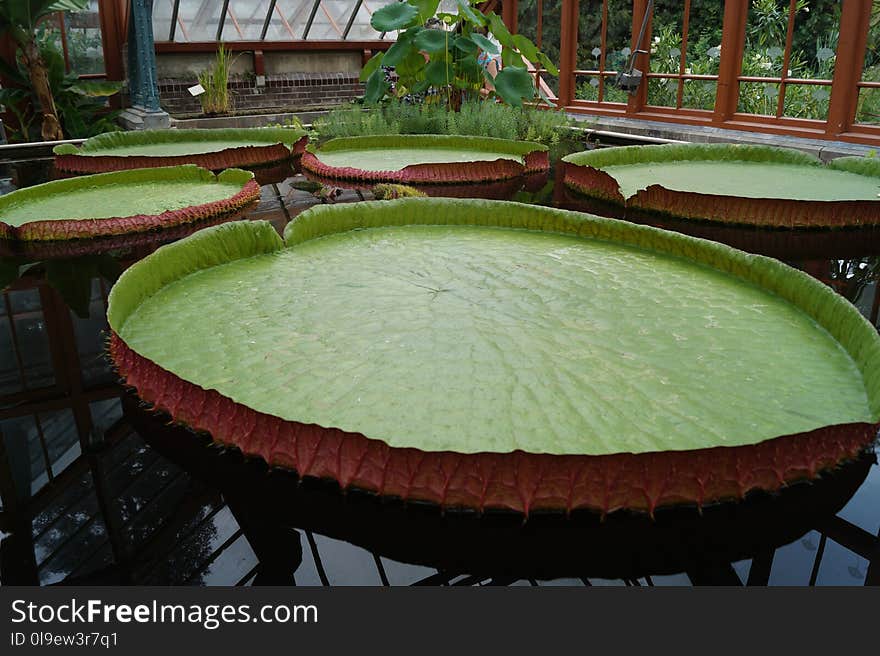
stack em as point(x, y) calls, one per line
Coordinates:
point(211, 149)
point(756, 185)
point(489, 354)
point(425, 159)
point(123, 202)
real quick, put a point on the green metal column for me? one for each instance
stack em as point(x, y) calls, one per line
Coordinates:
point(145, 110)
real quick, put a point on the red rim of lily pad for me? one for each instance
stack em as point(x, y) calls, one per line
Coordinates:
point(584, 172)
point(60, 229)
point(269, 146)
point(518, 481)
point(530, 157)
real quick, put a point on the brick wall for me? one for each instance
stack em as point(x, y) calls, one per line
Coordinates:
point(288, 91)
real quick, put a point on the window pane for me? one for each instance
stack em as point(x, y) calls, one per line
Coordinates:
point(869, 106)
point(704, 36)
point(289, 20)
point(549, 38)
point(198, 20)
point(699, 94)
point(758, 98)
point(765, 38)
point(618, 38)
point(84, 46)
point(814, 45)
point(162, 19)
point(868, 109)
point(662, 91)
point(666, 28)
point(807, 101)
point(361, 28)
point(330, 19)
point(244, 20)
point(587, 88)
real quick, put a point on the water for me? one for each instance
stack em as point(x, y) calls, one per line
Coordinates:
point(96, 489)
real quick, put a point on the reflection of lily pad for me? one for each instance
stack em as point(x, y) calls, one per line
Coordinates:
point(483, 354)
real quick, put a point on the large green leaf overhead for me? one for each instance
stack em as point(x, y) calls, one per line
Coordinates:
point(531, 329)
point(394, 16)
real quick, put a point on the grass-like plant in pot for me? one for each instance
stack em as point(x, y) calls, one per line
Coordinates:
point(215, 81)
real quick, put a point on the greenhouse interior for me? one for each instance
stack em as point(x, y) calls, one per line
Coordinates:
point(440, 292)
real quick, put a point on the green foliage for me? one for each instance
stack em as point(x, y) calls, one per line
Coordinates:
point(21, 17)
point(443, 62)
point(81, 104)
point(549, 127)
point(215, 80)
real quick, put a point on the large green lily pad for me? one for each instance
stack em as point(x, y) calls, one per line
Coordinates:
point(747, 179)
point(475, 326)
point(105, 203)
point(210, 148)
point(733, 183)
point(425, 158)
point(182, 141)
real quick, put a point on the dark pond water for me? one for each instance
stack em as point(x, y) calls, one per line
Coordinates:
point(95, 488)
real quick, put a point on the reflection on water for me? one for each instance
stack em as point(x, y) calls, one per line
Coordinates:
point(95, 488)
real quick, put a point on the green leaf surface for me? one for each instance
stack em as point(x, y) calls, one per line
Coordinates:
point(476, 326)
point(466, 45)
point(439, 72)
point(394, 16)
point(427, 8)
point(434, 40)
point(376, 87)
point(484, 44)
point(514, 84)
point(499, 29)
point(95, 88)
point(526, 47)
point(547, 64)
point(470, 14)
point(371, 66)
point(402, 48)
